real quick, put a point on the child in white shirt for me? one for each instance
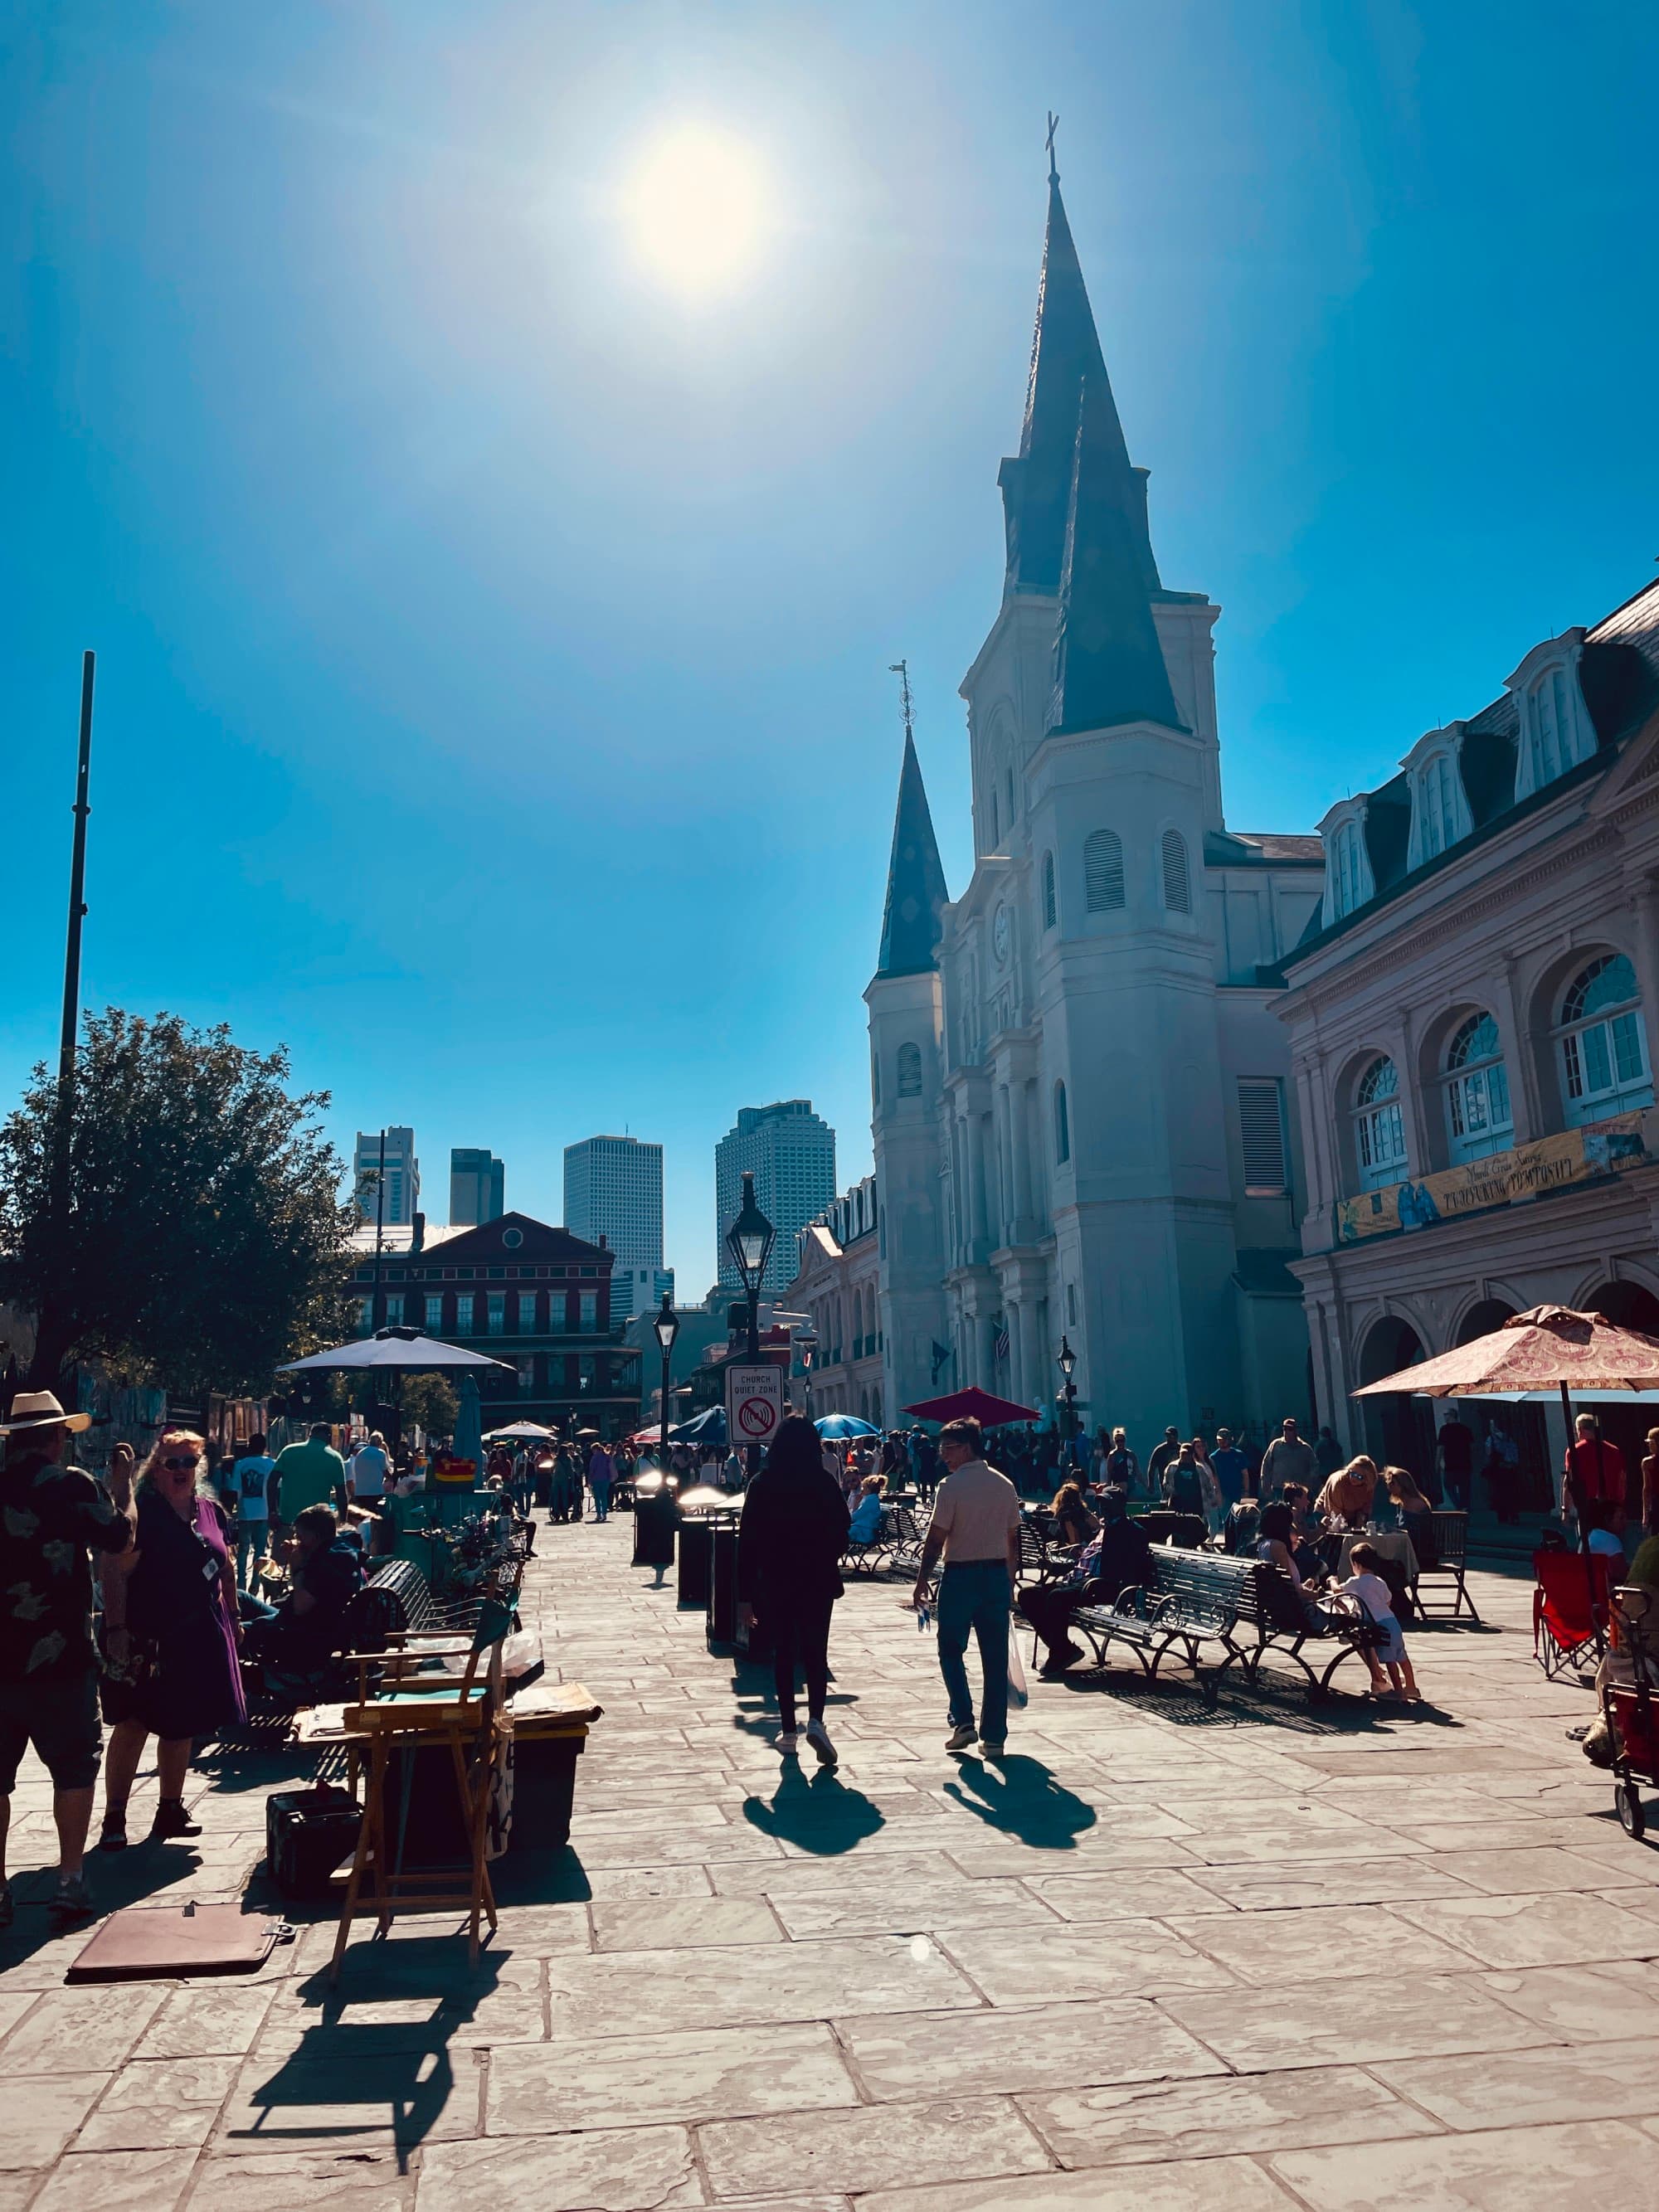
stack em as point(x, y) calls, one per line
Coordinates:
point(1373, 1595)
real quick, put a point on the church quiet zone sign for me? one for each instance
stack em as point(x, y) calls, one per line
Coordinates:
point(754, 1403)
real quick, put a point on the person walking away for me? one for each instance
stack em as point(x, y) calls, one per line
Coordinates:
point(250, 1483)
point(1288, 1458)
point(1454, 1454)
point(1593, 1472)
point(926, 1452)
point(367, 1473)
point(310, 1474)
point(790, 1540)
point(1119, 1558)
point(975, 1526)
point(173, 1593)
point(600, 1475)
point(1372, 1594)
point(52, 1518)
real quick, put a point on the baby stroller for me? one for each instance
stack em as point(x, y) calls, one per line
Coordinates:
point(1565, 1622)
point(1628, 1708)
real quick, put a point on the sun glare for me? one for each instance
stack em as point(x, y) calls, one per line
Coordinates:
point(696, 209)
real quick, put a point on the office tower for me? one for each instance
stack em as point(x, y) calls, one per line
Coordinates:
point(477, 1184)
point(792, 1154)
point(403, 1176)
point(613, 1191)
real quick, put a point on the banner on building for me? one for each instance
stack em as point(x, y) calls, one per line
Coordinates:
point(1552, 1163)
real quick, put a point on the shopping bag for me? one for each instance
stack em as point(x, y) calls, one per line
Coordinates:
point(1018, 1692)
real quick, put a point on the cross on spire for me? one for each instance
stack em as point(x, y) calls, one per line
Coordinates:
point(1054, 125)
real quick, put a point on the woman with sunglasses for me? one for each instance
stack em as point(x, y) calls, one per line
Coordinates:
point(171, 1598)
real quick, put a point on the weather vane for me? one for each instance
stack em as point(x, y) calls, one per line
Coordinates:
point(1054, 125)
point(901, 669)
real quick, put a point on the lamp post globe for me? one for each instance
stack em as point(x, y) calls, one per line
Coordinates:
point(749, 1240)
point(1066, 1363)
point(668, 1327)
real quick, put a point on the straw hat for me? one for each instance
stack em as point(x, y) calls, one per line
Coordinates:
point(40, 1409)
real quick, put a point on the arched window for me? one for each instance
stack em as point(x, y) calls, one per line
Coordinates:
point(1478, 1115)
point(1604, 1054)
point(1177, 890)
point(1103, 870)
point(1050, 905)
point(1379, 1129)
point(910, 1071)
point(1062, 1124)
point(1437, 800)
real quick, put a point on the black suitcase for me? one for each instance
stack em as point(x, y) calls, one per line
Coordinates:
point(309, 1833)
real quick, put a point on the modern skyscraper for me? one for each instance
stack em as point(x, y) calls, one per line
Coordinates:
point(792, 1154)
point(403, 1176)
point(477, 1187)
point(613, 1189)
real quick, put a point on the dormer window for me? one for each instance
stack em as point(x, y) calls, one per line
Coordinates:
point(1348, 878)
point(1555, 730)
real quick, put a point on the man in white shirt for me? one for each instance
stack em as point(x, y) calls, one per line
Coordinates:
point(975, 1525)
point(367, 1475)
point(250, 1483)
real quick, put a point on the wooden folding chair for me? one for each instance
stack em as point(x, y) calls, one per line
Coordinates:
point(418, 1705)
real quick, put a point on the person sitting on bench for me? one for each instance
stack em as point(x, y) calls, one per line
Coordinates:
point(302, 1633)
point(1119, 1558)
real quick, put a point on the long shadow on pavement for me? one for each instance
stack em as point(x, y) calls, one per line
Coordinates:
point(1020, 1797)
point(822, 1816)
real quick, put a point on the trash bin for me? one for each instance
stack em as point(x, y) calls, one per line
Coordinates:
point(544, 1756)
point(695, 1547)
point(722, 1627)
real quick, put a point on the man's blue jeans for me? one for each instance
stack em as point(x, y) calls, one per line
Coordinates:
point(977, 1597)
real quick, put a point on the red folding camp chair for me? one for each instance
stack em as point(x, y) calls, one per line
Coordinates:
point(1563, 1626)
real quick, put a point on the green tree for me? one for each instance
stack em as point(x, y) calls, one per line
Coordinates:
point(198, 1237)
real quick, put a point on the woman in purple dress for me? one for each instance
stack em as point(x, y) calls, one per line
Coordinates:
point(171, 1627)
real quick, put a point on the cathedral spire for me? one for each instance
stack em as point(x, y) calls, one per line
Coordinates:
point(1065, 351)
point(1109, 665)
point(916, 892)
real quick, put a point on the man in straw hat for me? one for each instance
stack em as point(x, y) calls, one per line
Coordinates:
point(51, 1517)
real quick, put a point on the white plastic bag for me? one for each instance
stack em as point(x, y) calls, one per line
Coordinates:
point(1020, 1694)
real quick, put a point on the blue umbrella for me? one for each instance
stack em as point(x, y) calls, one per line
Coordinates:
point(837, 1427)
point(707, 1428)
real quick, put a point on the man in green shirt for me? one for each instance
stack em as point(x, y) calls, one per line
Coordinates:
point(311, 1473)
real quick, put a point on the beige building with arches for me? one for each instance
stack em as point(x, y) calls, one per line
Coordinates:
point(1472, 1037)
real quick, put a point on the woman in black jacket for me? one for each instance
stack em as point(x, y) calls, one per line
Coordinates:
point(792, 1533)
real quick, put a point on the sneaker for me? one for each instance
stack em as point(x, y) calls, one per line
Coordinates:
point(171, 1821)
point(819, 1736)
point(989, 1750)
point(72, 1900)
point(113, 1835)
point(961, 1738)
point(788, 1742)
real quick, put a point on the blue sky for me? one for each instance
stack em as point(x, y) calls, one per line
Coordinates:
point(493, 635)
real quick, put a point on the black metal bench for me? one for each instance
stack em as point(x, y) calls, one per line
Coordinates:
point(1040, 1560)
point(1246, 1606)
point(896, 1546)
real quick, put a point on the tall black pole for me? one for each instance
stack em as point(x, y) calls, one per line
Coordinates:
point(754, 1324)
point(667, 1355)
point(77, 888)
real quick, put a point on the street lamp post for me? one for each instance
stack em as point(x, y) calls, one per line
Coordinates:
point(807, 1344)
point(1068, 1362)
point(749, 1240)
point(667, 1325)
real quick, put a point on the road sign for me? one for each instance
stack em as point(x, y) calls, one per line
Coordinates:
point(754, 1403)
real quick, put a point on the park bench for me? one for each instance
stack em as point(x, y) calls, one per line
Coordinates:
point(1246, 1606)
point(896, 1546)
point(1041, 1560)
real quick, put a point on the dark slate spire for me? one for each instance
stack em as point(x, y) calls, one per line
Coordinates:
point(1065, 350)
point(916, 894)
point(1109, 665)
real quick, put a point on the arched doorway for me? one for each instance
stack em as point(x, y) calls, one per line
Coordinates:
point(1399, 1429)
point(1481, 1320)
point(1525, 1424)
point(1627, 1305)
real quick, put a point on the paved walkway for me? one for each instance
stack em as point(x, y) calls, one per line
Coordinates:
point(1257, 1957)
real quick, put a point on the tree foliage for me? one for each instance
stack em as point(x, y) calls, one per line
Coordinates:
point(203, 1241)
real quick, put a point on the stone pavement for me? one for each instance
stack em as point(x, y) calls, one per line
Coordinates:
point(1261, 1957)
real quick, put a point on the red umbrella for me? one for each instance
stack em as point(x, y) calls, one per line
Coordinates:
point(973, 1404)
point(1545, 1349)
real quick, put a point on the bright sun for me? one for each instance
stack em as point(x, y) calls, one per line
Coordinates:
point(695, 208)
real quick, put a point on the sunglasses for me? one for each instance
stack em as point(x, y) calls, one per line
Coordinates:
point(174, 1465)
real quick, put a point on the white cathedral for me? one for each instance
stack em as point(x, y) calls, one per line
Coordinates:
point(1081, 1130)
